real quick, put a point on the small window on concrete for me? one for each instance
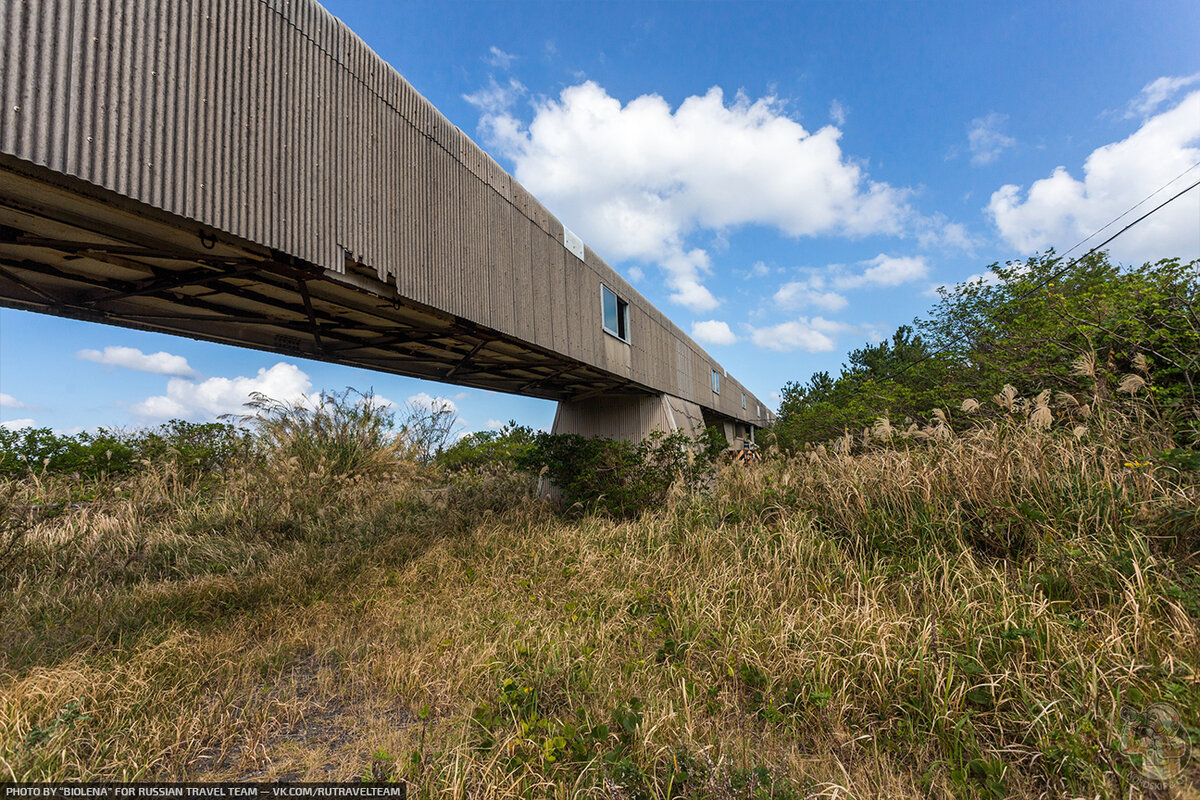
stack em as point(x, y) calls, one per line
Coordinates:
point(757, 411)
point(716, 381)
point(743, 401)
point(616, 313)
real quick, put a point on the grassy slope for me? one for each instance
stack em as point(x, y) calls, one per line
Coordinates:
point(960, 616)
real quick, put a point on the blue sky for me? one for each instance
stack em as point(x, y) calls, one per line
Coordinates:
point(786, 181)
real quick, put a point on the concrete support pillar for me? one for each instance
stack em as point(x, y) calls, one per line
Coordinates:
point(631, 418)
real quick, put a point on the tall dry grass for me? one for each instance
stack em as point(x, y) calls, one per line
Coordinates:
point(959, 611)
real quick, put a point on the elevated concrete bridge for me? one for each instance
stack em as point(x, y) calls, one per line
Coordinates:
point(250, 172)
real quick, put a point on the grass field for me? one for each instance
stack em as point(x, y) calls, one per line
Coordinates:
point(958, 610)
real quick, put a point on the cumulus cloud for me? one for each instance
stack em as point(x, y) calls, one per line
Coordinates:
point(885, 271)
point(1060, 210)
point(812, 335)
point(495, 424)
point(811, 291)
point(985, 139)
point(498, 58)
point(1157, 92)
point(8, 401)
point(426, 402)
point(713, 331)
point(160, 363)
point(215, 396)
point(17, 424)
point(636, 180)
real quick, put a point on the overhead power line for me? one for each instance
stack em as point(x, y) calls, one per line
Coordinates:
point(1127, 211)
point(1070, 264)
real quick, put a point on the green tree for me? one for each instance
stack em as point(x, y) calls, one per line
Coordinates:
point(1042, 323)
point(899, 377)
point(1039, 316)
point(507, 446)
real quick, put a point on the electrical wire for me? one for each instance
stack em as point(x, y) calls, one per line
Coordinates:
point(1056, 275)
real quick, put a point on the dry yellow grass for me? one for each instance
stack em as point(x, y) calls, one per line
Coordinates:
point(962, 615)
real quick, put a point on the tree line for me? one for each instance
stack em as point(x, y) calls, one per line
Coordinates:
point(1042, 323)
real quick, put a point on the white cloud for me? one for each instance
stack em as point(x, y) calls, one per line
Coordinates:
point(215, 396)
point(818, 291)
point(498, 58)
point(1060, 210)
point(380, 401)
point(496, 98)
point(426, 402)
point(713, 331)
point(160, 363)
point(636, 180)
point(759, 270)
point(936, 230)
point(495, 424)
point(885, 271)
point(988, 278)
point(954, 234)
point(985, 139)
point(8, 401)
point(17, 424)
point(1157, 92)
point(812, 335)
point(837, 112)
point(635, 274)
point(811, 291)
point(689, 291)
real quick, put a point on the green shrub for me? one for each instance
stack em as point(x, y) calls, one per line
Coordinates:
point(507, 446)
point(194, 447)
point(41, 450)
point(619, 477)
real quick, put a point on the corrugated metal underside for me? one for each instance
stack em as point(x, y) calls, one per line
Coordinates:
point(347, 218)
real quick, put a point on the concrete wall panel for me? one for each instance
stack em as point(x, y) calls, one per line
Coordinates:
point(543, 317)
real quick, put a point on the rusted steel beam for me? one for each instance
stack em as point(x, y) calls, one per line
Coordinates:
point(308, 309)
point(27, 286)
point(19, 238)
point(176, 280)
point(467, 358)
point(385, 340)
